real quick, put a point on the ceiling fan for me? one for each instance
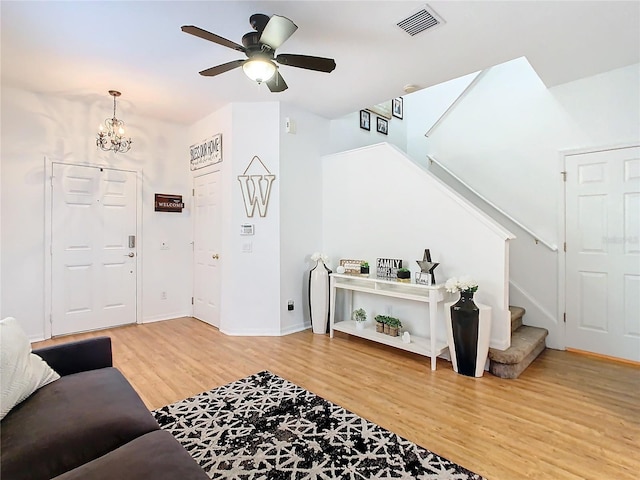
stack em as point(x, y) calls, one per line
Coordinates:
point(260, 47)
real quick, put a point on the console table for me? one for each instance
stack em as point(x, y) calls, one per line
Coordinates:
point(432, 295)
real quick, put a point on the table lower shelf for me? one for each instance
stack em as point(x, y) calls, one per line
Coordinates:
point(419, 345)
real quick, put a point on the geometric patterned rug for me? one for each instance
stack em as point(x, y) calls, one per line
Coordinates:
point(265, 427)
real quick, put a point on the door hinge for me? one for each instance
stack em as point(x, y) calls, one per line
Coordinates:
point(51, 319)
point(191, 300)
point(193, 192)
point(564, 176)
point(565, 247)
point(564, 317)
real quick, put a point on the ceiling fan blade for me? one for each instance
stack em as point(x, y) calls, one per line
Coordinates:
point(277, 31)
point(225, 67)
point(212, 37)
point(276, 83)
point(319, 64)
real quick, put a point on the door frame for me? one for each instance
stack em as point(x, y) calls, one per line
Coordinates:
point(48, 227)
point(562, 225)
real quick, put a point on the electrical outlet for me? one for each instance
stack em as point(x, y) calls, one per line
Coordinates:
point(290, 305)
point(163, 295)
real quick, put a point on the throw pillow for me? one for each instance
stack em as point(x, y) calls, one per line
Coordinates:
point(21, 372)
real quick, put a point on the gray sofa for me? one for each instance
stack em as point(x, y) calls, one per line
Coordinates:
point(89, 424)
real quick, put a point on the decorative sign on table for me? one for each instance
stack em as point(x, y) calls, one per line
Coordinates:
point(168, 203)
point(207, 152)
point(388, 267)
point(351, 267)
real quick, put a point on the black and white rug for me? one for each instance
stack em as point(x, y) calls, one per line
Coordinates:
point(265, 427)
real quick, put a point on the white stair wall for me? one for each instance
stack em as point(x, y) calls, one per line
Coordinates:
point(378, 203)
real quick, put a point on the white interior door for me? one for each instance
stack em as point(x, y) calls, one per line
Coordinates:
point(93, 266)
point(603, 252)
point(206, 248)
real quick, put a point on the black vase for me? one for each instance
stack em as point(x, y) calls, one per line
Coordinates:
point(465, 317)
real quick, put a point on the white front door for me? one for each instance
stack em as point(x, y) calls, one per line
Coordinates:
point(603, 252)
point(93, 266)
point(206, 248)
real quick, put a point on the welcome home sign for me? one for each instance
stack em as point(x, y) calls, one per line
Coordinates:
point(208, 152)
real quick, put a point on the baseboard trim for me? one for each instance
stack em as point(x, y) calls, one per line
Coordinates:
point(161, 318)
point(266, 333)
point(295, 329)
point(603, 357)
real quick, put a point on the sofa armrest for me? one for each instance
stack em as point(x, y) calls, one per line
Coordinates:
point(79, 356)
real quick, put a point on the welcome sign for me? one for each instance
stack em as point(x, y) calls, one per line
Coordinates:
point(207, 152)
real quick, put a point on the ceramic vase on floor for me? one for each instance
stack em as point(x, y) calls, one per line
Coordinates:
point(319, 297)
point(468, 334)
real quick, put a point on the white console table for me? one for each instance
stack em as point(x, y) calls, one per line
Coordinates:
point(432, 295)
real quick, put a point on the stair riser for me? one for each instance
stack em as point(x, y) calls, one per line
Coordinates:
point(514, 370)
point(516, 317)
point(516, 323)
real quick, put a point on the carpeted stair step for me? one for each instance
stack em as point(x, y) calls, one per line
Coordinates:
point(526, 344)
point(516, 317)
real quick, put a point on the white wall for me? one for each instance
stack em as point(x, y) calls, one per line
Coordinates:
point(300, 210)
point(63, 129)
point(605, 108)
point(251, 281)
point(425, 107)
point(250, 289)
point(421, 110)
point(505, 139)
point(383, 205)
point(256, 286)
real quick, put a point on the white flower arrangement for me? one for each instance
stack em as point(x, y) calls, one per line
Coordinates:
point(320, 256)
point(462, 284)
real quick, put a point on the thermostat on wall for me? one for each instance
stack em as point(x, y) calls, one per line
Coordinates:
point(246, 229)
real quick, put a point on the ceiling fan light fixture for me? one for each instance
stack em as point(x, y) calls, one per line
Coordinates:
point(259, 69)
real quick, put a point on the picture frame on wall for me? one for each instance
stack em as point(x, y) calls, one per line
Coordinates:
point(382, 126)
point(365, 120)
point(397, 107)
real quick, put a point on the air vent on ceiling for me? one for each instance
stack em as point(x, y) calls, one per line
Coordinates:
point(424, 19)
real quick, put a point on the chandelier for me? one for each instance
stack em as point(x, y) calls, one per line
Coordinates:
point(111, 134)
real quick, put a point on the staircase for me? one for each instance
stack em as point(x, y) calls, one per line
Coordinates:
point(526, 344)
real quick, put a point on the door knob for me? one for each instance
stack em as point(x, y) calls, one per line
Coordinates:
point(131, 254)
point(215, 256)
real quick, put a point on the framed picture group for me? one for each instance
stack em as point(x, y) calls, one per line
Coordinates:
point(382, 118)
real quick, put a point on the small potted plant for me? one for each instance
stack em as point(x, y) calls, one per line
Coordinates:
point(403, 275)
point(360, 316)
point(394, 324)
point(380, 323)
point(364, 268)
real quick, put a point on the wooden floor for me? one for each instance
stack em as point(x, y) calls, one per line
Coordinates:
point(568, 416)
